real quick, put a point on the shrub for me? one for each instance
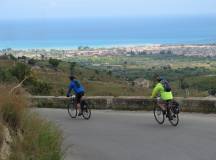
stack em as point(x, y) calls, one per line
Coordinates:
point(5, 75)
point(38, 87)
point(20, 71)
point(54, 62)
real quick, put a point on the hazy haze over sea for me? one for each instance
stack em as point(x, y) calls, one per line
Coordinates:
point(71, 33)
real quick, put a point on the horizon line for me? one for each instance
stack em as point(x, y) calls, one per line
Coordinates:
point(110, 17)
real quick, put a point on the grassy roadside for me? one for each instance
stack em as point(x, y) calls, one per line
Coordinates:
point(32, 137)
point(1, 134)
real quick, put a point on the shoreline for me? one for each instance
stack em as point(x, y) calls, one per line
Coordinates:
point(200, 50)
point(111, 46)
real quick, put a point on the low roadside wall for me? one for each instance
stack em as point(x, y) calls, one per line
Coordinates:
point(198, 104)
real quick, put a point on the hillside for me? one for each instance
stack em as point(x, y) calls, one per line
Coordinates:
point(112, 75)
point(46, 79)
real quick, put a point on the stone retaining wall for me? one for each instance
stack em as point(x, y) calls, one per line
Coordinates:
point(206, 105)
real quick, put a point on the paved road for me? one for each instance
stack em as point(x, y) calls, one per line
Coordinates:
point(116, 135)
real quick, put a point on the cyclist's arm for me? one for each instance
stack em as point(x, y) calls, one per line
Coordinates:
point(155, 91)
point(70, 88)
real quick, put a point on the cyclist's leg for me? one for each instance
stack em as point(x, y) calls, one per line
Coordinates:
point(162, 105)
point(78, 102)
point(81, 96)
point(168, 110)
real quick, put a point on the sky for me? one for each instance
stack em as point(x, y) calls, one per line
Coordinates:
point(43, 9)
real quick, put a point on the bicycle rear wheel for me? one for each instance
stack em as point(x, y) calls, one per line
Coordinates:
point(158, 114)
point(86, 110)
point(72, 110)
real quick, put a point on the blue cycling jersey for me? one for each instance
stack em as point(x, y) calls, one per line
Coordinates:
point(76, 87)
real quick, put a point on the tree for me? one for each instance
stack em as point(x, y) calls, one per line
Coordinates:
point(54, 62)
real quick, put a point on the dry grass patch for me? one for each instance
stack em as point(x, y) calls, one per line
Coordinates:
point(33, 137)
point(12, 106)
point(40, 140)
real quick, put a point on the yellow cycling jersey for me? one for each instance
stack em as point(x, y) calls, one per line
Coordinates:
point(159, 89)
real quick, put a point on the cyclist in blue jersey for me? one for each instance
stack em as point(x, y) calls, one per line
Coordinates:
point(79, 91)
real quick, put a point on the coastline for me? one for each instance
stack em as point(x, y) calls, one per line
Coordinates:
point(199, 50)
point(107, 46)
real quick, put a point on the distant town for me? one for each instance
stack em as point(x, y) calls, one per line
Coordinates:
point(185, 50)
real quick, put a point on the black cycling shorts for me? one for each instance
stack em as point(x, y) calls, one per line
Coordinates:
point(78, 97)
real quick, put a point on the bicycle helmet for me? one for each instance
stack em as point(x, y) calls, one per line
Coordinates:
point(72, 77)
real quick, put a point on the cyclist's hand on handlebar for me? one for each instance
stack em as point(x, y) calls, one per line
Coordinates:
point(155, 99)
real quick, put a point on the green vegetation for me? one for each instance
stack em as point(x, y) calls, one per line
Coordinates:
point(54, 62)
point(38, 87)
point(6, 75)
point(41, 140)
point(179, 70)
point(21, 71)
point(72, 67)
point(32, 62)
point(32, 137)
point(114, 75)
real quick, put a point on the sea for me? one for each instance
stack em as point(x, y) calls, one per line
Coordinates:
point(106, 32)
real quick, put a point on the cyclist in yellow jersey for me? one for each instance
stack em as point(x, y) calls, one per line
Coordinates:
point(164, 93)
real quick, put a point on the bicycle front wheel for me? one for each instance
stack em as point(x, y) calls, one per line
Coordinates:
point(158, 114)
point(174, 118)
point(72, 110)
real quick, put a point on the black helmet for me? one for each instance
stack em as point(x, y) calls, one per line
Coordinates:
point(72, 77)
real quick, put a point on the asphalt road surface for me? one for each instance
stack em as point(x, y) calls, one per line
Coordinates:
point(118, 135)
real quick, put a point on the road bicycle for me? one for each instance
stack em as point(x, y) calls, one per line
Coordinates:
point(172, 112)
point(73, 110)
